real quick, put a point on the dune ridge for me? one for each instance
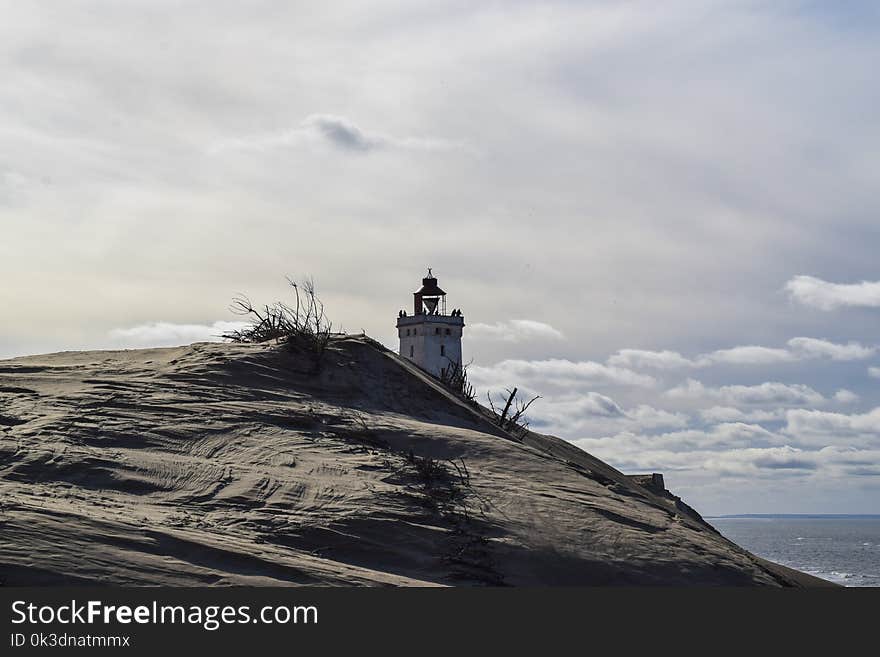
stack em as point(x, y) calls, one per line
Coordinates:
point(231, 464)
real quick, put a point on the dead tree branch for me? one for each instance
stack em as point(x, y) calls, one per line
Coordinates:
point(514, 422)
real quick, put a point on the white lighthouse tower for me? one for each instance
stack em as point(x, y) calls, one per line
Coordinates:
point(429, 337)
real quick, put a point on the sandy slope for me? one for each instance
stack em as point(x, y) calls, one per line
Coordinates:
point(229, 464)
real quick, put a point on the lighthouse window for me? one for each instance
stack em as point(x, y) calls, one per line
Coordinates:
point(437, 331)
point(447, 331)
point(410, 351)
point(442, 350)
point(407, 331)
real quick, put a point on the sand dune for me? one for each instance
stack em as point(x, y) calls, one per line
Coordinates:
point(230, 464)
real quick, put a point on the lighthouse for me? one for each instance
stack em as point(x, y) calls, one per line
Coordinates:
point(430, 337)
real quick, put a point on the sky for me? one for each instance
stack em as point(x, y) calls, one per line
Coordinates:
point(661, 217)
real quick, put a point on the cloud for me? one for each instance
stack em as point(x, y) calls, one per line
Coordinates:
point(845, 396)
point(554, 374)
point(514, 330)
point(823, 295)
point(771, 458)
point(848, 455)
point(167, 334)
point(746, 355)
point(591, 404)
point(645, 416)
point(718, 414)
point(715, 438)
point(741, 355)
point(727, 451)
point(340, 133)
point(828, 428)
point(594, 414)
point(641, 358)
point(799, 349)
point(874, 372)
point(343, 133)
point(815, 348)
point(771, 392)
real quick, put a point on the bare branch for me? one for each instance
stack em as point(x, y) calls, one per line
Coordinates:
point(510, 396)
point(514, 422)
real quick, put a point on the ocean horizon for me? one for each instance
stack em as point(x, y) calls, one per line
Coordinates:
point(841, 548)
point(797, 515)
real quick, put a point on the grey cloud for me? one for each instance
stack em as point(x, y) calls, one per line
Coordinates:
point(770, 392)
point(594, 404)
point(710, 457)
point(337, 131)
point(597, 414)
point(343, 133)
point(799, 349)
point(718, 414)
point(848, 455)
point(715, 439)
point(753, 460)
point(790, 463)
point(864, 472)
point(828, 428)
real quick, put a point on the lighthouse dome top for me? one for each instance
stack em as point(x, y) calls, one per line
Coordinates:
point(429, 287)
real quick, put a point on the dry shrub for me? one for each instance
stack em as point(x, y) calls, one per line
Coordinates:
point(302, 325)
point(454, 376)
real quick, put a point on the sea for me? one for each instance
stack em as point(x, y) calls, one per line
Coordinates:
point(842, 549)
